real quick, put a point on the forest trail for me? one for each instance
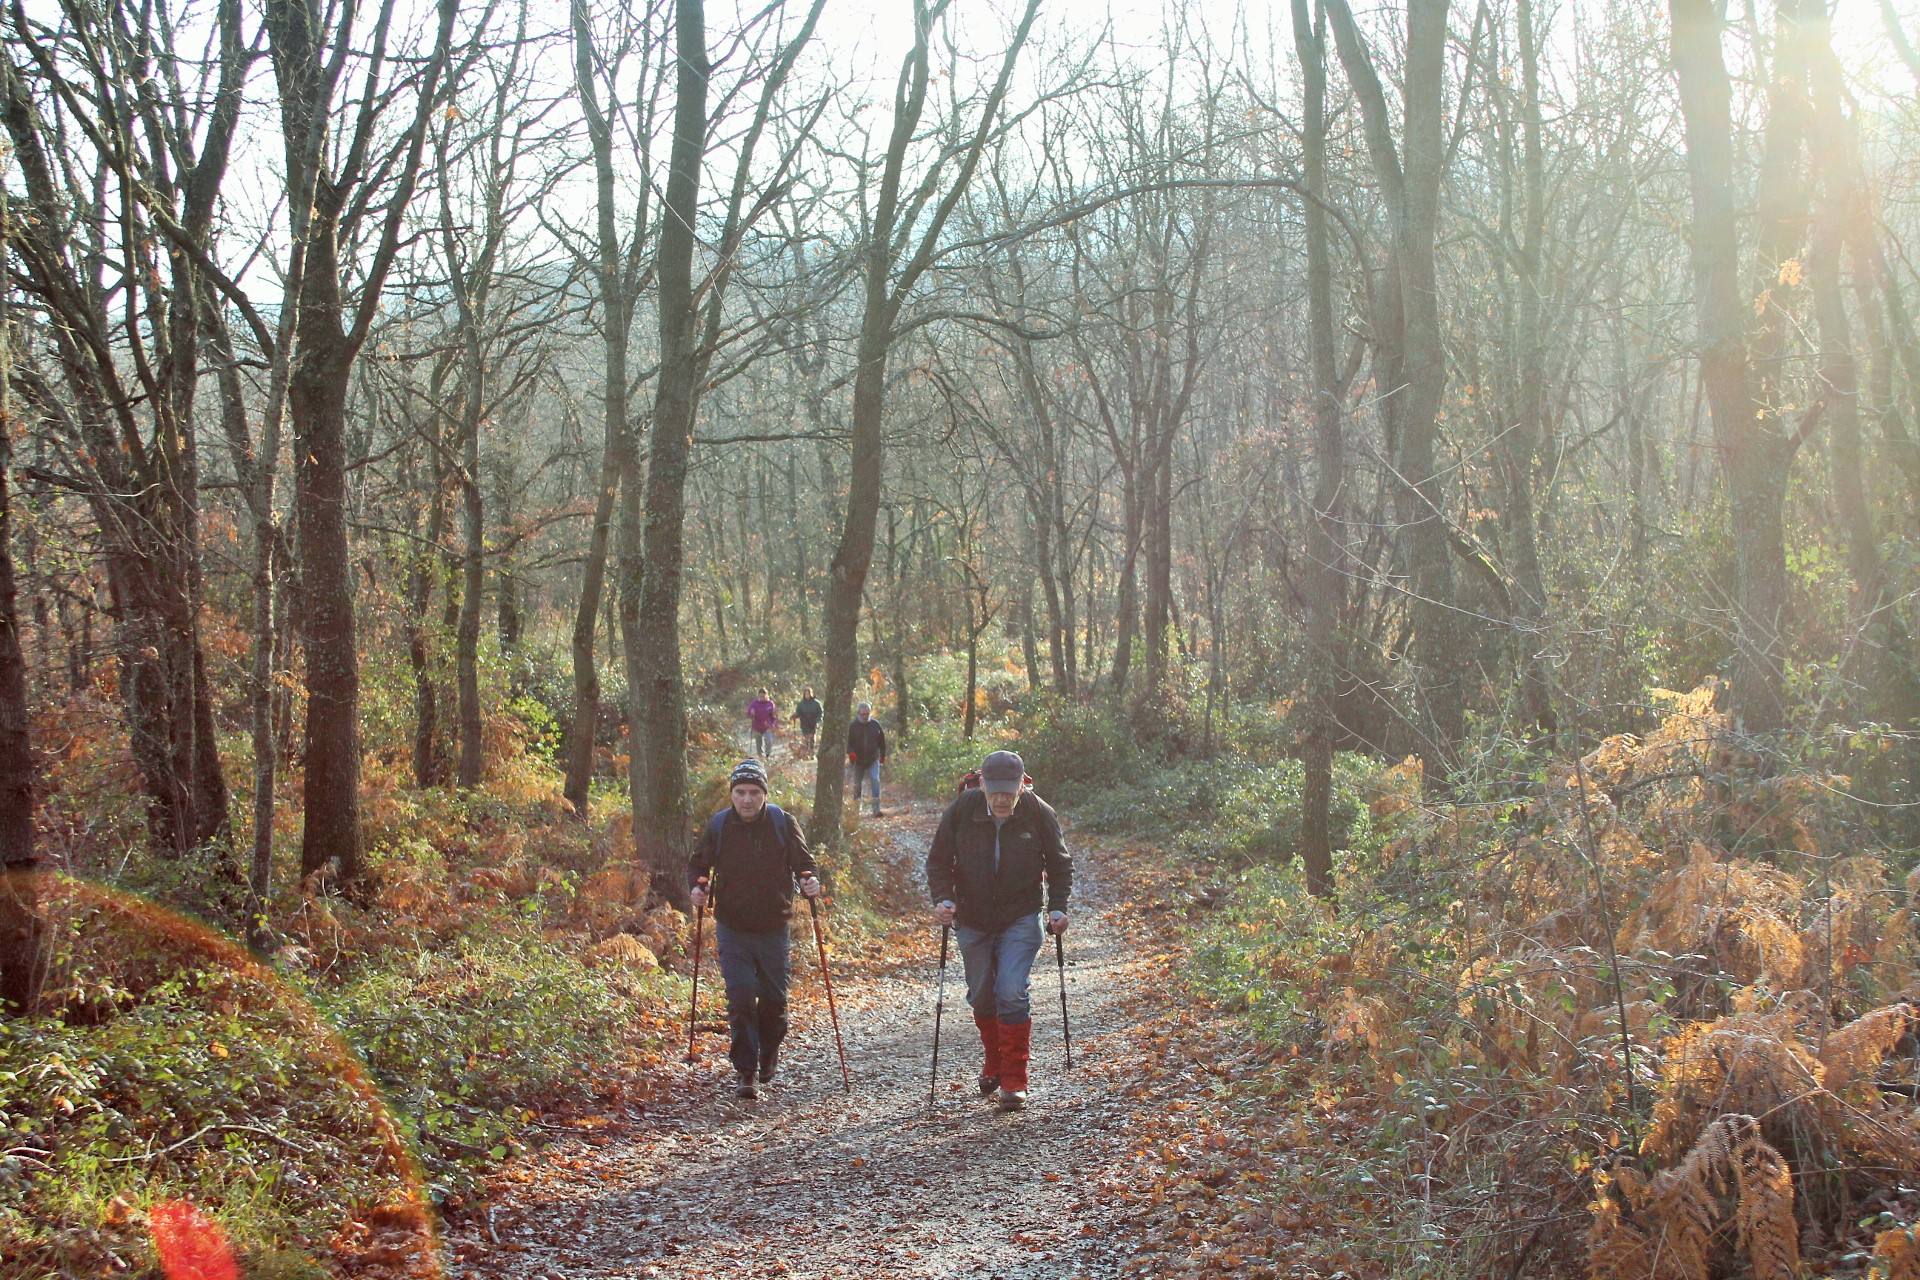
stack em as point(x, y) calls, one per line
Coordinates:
point(812, 1182)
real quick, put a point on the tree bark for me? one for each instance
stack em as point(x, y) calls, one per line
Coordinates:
point(328, 340)
point(613, 277)
point(1416, 358)
point(1522, 438)
point(22, 935)
point(890, 275)
point(1756, 451)
point(1324, 579)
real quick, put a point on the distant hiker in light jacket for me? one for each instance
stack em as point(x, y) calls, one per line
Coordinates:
point(763, 715)
point(866, 752)
point(990, 853)
point(747, 861)
point(808, 713)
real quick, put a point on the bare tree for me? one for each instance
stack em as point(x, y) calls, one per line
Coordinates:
point(114, 249)
point(900, 237)
point(1410, 359)
point(1326, 568)
point(20, 929)
point(337, 194)
point(1739, 361)
point(691, 314)
point(621, 269)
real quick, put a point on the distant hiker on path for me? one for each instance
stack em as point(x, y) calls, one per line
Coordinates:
point(866, 752)
point(993, 847)
point(746, 863)
point(763, 716)
point(808, 713)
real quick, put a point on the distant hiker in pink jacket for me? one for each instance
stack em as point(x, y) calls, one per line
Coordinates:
point(763, 715)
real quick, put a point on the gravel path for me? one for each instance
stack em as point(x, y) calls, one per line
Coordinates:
point(812, 1182)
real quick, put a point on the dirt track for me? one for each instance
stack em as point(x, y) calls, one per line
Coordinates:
point(810, 1181)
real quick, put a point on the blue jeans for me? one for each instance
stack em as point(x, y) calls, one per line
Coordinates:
point(763, 744)
point(871, 776)
point(998, 965)
point(754, 968)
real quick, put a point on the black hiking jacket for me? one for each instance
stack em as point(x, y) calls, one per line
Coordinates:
point(808, 713)
point(960, 864)
point(753, 870)
point(866, 741)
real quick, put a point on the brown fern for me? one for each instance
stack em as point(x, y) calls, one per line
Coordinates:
point(1896, 1255)
point(1855, 1050)
point(1675, 1212)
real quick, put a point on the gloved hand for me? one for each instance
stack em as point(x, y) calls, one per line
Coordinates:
point(1056, 922)
point(810, 886)
point(699, 894)
point(943, 912)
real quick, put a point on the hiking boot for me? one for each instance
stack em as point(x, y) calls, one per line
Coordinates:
point(1012, 1099)
point(988, 1085)
point(768, 1066)
point(746, 1088)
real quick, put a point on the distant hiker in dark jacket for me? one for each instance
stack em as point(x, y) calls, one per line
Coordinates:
point(762, 716)
point(990, 853)
point(866, 752)
point(746, 863)
point(808, 713)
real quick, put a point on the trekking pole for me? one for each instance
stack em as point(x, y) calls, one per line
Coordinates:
point(820, 941)
point(693, 1009)
point(1066, 1029)
point(939, 1006)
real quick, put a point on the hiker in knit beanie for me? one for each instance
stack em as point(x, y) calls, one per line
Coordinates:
point(746, 864)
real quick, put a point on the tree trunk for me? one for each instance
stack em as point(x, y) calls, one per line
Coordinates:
point(467, 634)
point(1755, 451)
point(22, 936)
point(1127, 603)
point(968, 716)
point(847, 573)
point(323, 365)
point(1522, 437)
point(1846, 216)
point(1412, 352)
point(615, 461)
point(1325, 547)
point(1159, 602)
point(657, 700)
point(317, 397)
point(802, 609)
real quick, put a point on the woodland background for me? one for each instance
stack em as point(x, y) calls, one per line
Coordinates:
point(1450, 463)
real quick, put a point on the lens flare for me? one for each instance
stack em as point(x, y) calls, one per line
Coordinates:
point(190, 1244)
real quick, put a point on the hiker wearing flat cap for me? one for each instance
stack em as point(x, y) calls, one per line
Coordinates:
point(866, 752)
point(808, 713)
point(993, 848)
point(746, 864)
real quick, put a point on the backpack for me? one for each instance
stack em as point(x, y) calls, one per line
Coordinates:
point(970, 781)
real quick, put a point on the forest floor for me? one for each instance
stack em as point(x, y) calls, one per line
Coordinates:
point(816, 1182)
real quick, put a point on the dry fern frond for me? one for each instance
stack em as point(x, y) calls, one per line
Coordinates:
point(1763, 1208)
point(1753, 1063)
point(1896, 1255)
point(1738, 914)
point(1855, 1050)
point(1847, 930)
point(1674, 1213)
